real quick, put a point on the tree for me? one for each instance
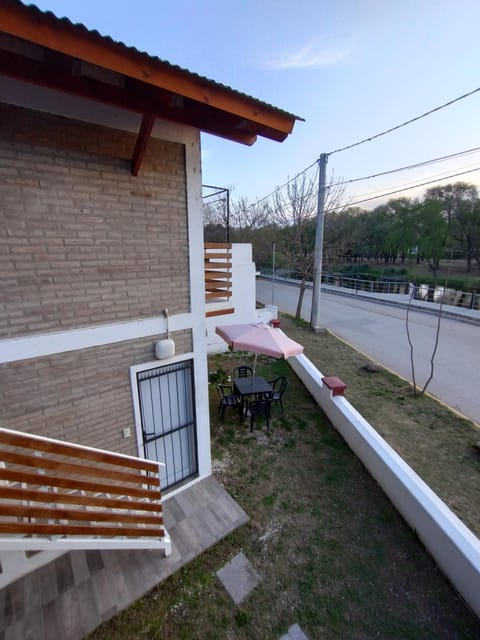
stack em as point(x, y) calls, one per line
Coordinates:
point(247, 216)
point(461, 210)
point(432, 229)
point(215, 217)
point(465, 228)
point(405, 229)
point(343, 236)
point(293, 211)
point(377, 225)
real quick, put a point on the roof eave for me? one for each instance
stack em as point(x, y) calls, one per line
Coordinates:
point(32, 25)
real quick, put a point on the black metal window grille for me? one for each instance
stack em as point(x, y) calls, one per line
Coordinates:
point(167, 409)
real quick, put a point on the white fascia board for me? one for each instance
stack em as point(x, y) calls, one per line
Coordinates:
point(37, 346)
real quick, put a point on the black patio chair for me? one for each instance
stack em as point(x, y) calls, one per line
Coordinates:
point(260, 408)
point(267, 395)
point(227, 399)
point(279, 386)
point(243, 371)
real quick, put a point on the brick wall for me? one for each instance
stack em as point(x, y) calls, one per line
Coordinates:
point(81, 396)
point(82, 242)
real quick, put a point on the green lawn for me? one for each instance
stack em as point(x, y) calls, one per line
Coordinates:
point(333, 554)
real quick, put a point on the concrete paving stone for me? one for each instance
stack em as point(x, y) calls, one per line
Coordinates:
point(294, 633)
point(52, 625)
point(15, 631)
point(217, 492)
point(172, 513)
point(14, 602)
point(68, 615)
point(205, 530)
point(89, 617)
point(80, 569)
point(186, 540)
point(199, 496)
point(210, 519)
point(225, 515)
point(76, 593)
point(238, 577)
point(104, 591)
point(94, 561)
point(63, 569)
point(3, 620)
point(109, 614)
point(148, 570)
point(32, 621)
point(186, 503)
point(133, 577)
point(48, 583)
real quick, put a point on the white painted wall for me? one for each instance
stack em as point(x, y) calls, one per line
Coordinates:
point(197, 301)
point(453, 546)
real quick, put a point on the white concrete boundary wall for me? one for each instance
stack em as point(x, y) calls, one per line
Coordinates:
point(453, 546)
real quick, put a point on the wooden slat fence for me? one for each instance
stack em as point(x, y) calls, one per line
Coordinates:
point(218, 271)
point(52, 490)
point(218, 276)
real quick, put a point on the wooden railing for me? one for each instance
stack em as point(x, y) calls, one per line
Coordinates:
point(57, 495)
point(218, 275)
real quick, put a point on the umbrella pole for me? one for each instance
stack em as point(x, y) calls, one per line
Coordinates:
point(255, 364)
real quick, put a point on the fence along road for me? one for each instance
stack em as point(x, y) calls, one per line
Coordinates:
point(379, 331)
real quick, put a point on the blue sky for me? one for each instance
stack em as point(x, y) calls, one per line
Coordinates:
point(350, 68)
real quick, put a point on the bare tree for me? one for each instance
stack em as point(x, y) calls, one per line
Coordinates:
point(294, 210)
point(250, 215)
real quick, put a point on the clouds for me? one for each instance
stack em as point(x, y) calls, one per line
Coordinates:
point(311, 55)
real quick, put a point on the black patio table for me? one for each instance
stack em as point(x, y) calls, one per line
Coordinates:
point(249, 386)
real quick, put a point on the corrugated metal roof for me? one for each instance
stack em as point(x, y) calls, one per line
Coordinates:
point(93, 33)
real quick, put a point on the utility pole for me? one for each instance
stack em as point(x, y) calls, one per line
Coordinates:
point(228, 214)
point(273, 273)
point(317, 267)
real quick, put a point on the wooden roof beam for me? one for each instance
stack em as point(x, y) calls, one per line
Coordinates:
point(146, 127)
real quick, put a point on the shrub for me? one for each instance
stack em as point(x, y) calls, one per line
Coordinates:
point(220, 376)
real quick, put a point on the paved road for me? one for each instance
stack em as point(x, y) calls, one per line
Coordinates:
point(379, 331)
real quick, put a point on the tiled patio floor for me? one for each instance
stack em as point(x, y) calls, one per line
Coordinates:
point(71, 596)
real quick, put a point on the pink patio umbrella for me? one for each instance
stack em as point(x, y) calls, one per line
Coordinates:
point(259, 338)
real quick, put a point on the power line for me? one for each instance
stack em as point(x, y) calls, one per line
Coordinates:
point(257, 202)
point(438, 176)
point(401, 187)
point(410, 166)
point(404, 124)
point(373, 175)
point(390, 193)
point(378, 135)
